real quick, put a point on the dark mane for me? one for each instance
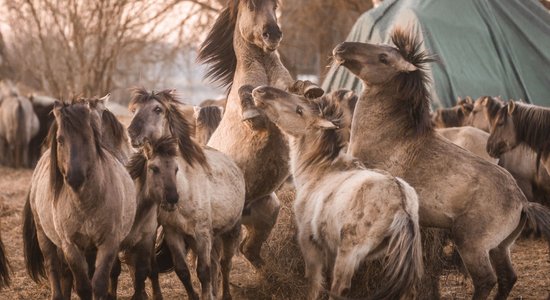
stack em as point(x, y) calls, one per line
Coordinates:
point(346, 96)
point(328, 142)
point(412, 86)
point(451, 117)
point(532, 125)
point(74, 117)
point(180, 128)
point(493, 106)
point(209, 117)
point(217, 49)
point(115, 128)
point(137, 166)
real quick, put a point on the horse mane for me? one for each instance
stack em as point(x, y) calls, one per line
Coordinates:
point(209, 117)
point(166, 146)
point(493, 106)
point(341, 95)
point(217, 49)
point(532, 126)
point(71, 120)
point(451, 117)
point(180, 128)
point(412, 86)
point(328, 142)
point(116, 129)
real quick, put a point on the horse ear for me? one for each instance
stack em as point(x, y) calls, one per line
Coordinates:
point(405, 66)
point(469, 100)
point(57, 105)
point(221, 110)
point(324, 124)
point(485, 101)
point(458, 99)
point(511, 107)
point(196, 111)
point(148, 149)
point(105, 98)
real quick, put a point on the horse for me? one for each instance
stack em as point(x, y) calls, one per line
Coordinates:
point(18, 124)
point(392, 130)
point(81, 198)
point(521, 161)
point(5, 277)
point(207, 119)
point(345, 213)
point(455, 116)
point(214, 102)
point(517, 124)
point(200, 206)
point(469, 138)
point(42, 106)
point(241, 49)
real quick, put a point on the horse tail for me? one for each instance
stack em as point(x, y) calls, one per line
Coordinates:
point(4, 267)
point(34, 260)
point(20, 135)
point(538, 216)
point(403, 266)
point(163, 255)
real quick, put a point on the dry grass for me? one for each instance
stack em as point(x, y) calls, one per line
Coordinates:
point(281, 279)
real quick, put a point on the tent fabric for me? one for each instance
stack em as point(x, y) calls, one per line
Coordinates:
point(483, 47)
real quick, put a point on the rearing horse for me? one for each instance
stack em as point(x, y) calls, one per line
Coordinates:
point(241, 49)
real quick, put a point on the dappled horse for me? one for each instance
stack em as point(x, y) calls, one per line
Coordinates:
point(241, 49)
point(345, 213)
point(392, 130)
point(18, 124)
point(81, 198)
point(201, 198)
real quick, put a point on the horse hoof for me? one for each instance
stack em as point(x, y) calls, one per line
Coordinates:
point(254, 258)
point(313, 92)
point(250, 113)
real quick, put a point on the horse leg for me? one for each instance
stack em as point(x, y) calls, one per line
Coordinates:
point(176, 244)
point(230, 243)
point(113, 284)
point(77, 263)
point(66, 281)
point(248, 108)
point(260, 222)
point(313, 258)
point(106, 256)
point(204, 250)
point(344, 268)
point(154, 274)
point(306, 88)
point(52, 263)
point(215, 266)
point(142, 264)
point(506, 275)
point(477, 262)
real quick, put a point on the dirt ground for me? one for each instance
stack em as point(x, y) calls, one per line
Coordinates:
point(530, 259)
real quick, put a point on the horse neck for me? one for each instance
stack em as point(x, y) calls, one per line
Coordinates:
point(303, 171)
point(542, 126)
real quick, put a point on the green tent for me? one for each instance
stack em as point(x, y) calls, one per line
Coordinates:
point(483, 47)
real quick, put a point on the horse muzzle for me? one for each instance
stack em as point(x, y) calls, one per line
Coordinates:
point(75, 179)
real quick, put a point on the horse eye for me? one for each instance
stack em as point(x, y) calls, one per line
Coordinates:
point(155, 169)
point(60, 140)
point(177, 169)
point(383, 59)
point(133, 110)
point(299, 110)
point(158, 110)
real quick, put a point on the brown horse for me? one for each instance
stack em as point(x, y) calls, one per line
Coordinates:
point(201, 207)
point(18, 124)
point(4, 267)
point(81, 198)
point(241, 49)
point(454, 116)
point(345, 214)
point(207, 119)
point(392, 130)
point(518, 124)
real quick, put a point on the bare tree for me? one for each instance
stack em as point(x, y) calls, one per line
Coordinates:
point(89, 47)
point(313, 27)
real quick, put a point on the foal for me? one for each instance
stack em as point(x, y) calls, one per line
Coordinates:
point(201, 195)
point(343, 209)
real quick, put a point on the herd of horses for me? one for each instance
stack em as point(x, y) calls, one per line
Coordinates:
point(369, 170)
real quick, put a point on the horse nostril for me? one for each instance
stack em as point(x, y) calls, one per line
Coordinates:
point(265, 35)
point(172, 196)
point(75, 180)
